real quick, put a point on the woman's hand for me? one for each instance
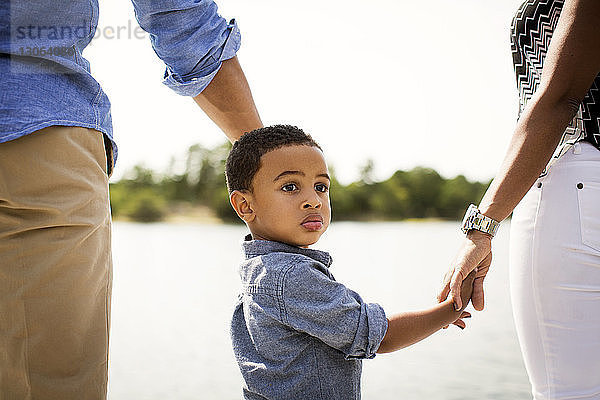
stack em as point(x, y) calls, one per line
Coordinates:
point(475, 253)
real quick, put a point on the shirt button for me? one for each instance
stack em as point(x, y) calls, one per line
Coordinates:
point(539, 185)
point(580, 185)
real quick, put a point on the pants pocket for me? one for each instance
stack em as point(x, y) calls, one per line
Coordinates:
point(588, 195)
point(108, 151)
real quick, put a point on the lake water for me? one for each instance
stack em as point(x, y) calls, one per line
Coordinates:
point(175, 286)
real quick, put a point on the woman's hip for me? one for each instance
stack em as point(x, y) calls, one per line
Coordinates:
point(555, 277)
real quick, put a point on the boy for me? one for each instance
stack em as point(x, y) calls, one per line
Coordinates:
point(296, 332)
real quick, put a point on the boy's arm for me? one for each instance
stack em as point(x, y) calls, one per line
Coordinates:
point(411, 327)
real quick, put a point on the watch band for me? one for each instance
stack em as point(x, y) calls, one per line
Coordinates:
point(474, 219)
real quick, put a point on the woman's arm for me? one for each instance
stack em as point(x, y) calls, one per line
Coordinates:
point(571, 64)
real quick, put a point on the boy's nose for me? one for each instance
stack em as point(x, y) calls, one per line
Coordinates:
point(316, 203)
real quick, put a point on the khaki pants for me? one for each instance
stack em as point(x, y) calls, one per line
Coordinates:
point(55, 265)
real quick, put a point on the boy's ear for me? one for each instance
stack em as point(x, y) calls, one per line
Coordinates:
point(241, 202)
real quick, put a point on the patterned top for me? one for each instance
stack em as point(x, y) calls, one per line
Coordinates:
point(531, 32)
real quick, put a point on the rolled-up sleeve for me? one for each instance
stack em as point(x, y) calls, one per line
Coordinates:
point(321, 307)
point(191, 38)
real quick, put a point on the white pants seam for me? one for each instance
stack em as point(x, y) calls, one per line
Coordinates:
point(535, 291)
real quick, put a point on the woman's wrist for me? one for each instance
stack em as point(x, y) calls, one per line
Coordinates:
point(476, 236)
point(490, 212)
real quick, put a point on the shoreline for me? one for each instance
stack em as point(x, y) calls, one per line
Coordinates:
point(187, 214)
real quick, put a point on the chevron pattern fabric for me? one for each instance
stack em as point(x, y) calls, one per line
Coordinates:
point(531, 33)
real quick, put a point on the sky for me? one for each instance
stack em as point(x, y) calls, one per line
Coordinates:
point(404, 83)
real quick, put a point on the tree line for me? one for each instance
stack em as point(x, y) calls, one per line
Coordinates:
point(145, 195)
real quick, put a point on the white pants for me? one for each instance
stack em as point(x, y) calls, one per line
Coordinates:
point(555, 277)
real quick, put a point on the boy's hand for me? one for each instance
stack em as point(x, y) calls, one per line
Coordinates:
point(467, 289)
point(459, 322)
point(410, 327)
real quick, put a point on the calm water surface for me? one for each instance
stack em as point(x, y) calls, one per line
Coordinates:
point(175, 287)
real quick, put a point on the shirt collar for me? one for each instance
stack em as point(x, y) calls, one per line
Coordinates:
point(255, 248)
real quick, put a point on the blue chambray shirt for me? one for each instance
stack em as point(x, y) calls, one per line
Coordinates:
point(45, 80)
point(296, 332)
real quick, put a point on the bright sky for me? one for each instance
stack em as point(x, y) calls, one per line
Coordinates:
point(405, 83)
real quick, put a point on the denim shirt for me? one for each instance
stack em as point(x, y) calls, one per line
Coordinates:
point(45, 80)
point(296, 332)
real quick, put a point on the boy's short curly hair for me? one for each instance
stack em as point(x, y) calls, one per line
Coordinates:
point(244, 158)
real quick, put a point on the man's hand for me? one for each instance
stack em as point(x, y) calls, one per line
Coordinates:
point(475, 253)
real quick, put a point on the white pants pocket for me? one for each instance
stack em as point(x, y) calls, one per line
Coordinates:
point(588, 194)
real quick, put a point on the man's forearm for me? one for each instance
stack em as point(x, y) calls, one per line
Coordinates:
point(411, 327)
point(228, 101)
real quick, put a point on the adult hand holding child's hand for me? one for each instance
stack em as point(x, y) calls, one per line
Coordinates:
point(465, 294)
point(474, 256)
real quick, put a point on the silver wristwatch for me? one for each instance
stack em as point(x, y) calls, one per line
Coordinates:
point(476, 220)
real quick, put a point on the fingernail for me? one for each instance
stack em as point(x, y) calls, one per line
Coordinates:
point(456, 307)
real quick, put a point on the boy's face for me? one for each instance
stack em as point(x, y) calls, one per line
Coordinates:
point(290, 196)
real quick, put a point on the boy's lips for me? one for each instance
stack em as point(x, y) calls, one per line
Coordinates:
point(312, 222)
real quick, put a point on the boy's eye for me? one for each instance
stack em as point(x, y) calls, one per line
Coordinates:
point(289, 187)
point(321, 187)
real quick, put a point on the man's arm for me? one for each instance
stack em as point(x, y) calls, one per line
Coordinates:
point(198, 47)
point(228, 101)
point(409, 328)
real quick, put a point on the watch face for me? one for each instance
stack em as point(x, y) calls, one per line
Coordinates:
point(466, 223)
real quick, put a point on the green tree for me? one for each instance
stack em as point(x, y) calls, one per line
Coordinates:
point(145, 206)
point(390, 200)
point(144, 195)
point(455, 195)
